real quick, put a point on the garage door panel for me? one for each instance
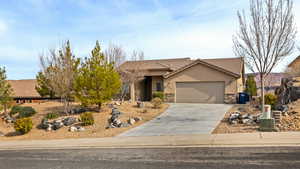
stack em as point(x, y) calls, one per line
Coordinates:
point(200, 92)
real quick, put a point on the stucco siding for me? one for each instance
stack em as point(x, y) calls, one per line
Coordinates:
point(199, 73)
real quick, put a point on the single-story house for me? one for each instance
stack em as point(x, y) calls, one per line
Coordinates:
point(24, 91)
point(185, 80)
point(295, 63)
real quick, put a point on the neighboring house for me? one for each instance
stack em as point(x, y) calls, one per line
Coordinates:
point(295, 63)
point(24, 91)
point(190, 81)
point(272, 81)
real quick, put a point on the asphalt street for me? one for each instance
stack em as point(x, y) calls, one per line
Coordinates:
point(154, 158)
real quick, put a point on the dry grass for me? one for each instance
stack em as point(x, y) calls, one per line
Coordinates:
point(97, 130)
point(224, 127)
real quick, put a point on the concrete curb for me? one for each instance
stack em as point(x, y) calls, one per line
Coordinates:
point(203, 140)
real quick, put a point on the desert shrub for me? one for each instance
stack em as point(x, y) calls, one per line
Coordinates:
point(271, 99)
point(159, 95)
point(26, 112)
point(23, 125)
point(87, 119)
point(15, 110)
point(52, 115)
point(156, 102)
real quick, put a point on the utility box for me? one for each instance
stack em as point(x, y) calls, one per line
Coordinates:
point(267, 125)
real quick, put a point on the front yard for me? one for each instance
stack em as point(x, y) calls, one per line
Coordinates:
point(290, 119)
point(99, 129)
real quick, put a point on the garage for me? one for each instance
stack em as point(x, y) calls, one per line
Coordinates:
point(200, 92)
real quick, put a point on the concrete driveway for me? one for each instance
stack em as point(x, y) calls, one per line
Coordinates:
point(182, 119)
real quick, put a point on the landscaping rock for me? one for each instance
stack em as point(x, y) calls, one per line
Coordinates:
point(1, 134)
point(234, 117)
point(57, 124)
point(247, 121)
point(140, 104)
point(69, 121)
point(79, 129)
point(79, 110)
point(117, 122)
point(125, 125)
point(131, 121)
point(44, 124)
point(49, 128)
point(137, 119)
point(73, 129)
point(111, 125)
point(9, 119)
point(117, 103)
point(233, 122)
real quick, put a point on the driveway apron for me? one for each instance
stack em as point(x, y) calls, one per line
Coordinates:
point(182, 119)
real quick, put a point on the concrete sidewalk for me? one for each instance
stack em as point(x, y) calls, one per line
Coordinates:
point(203, 140)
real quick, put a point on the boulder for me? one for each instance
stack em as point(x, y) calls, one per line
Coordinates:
point(111, 125)
point(73, 129)
point(57, 124)
point(140, 104)
point(9, 119)
point(131, 121)
point(245, 116)
point(234, 116)
point(79, 129)
point(125, 125)
point(117, 122)
point(233, 122)
point(44, 124)
point(49, 128)
point(137, 119)
point(247, 121)
point(117, 103)
point(79, 110)
point(69, 121)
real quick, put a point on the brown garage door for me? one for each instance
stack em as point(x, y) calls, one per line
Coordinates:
point(200, 92)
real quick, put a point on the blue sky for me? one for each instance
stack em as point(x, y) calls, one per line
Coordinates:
point(161, 28)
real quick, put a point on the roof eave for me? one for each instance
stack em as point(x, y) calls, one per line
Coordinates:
point(203, 62)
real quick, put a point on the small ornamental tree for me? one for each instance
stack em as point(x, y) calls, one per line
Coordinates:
point(60, 68)
point(97, 80)
point(5, 90)
point(251, 88)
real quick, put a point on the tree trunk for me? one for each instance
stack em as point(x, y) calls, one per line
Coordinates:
point(5, 109)
point(262, 85)
point(99, 106)
point(132, 92)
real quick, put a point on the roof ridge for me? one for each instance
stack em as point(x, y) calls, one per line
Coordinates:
point(223, 58)
point(158, 59)
point(20, 79)
point(200, 61)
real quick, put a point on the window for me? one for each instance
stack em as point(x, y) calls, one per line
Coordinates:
point(159, 86)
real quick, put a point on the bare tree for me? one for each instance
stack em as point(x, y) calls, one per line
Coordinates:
point(267, 37)
point(115, 54)
point(60, 67)
point(130, 76)
point(137, 55)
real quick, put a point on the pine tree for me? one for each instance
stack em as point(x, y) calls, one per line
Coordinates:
point(5, 90)
point(43, 86)
point(251, 88)
point(97, 80)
